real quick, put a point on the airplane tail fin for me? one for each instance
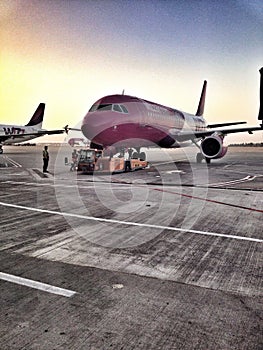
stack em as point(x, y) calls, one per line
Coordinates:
point(38, 116)
point(201, 105)
point(260, 113)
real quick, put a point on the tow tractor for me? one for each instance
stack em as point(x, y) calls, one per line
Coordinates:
point(91, 160)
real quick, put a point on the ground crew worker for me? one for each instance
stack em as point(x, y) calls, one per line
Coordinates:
point(45, 159)
point(127, 161)
point(74, 160)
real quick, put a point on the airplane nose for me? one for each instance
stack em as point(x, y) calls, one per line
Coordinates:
point(90, 126)
point(95, 123)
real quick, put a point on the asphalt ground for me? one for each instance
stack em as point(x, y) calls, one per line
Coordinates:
point(169, 257)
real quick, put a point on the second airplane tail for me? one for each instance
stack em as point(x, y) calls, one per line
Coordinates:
point(201, 105)
point(38, 116)
point(260, 113)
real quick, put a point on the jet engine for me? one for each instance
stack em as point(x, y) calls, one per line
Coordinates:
point(212, 147)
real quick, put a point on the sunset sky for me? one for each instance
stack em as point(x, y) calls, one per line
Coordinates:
point(68, 54)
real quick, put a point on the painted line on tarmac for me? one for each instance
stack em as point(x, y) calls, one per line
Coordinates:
point(129, 223)
point(88, 184)
point(233, 182)
point(36, 285)
point(143, 185)
point(46, 184)
point(210, 200)
point(13, 162)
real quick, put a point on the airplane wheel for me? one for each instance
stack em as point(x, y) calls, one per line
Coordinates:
point(135, 155)
point(208, 160)
point(142, 156)
point(199, 158)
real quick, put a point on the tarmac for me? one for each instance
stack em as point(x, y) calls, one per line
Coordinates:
point(169, 257)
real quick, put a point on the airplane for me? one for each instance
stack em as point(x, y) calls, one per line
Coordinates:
point(76, 141)
point(118, 122)
point(10, 134)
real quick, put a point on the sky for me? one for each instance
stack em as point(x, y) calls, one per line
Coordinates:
point(68, 54)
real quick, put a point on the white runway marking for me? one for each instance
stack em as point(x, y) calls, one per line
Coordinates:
point(36, 285)
point(129, 223)
point(14, 163)
point(88, 185)
point(175, 172)
point(233, 182)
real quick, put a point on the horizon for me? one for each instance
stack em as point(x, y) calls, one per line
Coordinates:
point(70, 54)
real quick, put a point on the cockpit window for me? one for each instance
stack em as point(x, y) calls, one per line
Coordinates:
point(117, 108)
point(124, 109)
point(120, 109)
point(109, 107)
point(105, 107)
point(94, 108)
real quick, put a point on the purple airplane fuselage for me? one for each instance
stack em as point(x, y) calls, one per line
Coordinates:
point(128, 121)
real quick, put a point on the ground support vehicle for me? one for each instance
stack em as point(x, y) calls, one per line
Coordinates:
point(92, 160)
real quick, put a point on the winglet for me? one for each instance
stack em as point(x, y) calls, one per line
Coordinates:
point(260, 113)
point(201, 105)
point(38, 116)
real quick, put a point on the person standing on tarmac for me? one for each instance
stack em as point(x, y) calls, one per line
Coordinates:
point(45, 159)
point(127, 160)
point(74, 162)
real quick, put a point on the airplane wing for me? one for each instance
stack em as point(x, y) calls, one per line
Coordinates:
point(74, 129)
point(34, 134)
point(219, 125)
point(190, 135)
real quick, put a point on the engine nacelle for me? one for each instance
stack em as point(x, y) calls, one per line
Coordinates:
point(212, 147)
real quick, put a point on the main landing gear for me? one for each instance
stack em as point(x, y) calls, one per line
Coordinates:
point(200, 157)
point(133, 153)
point(138, 155)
